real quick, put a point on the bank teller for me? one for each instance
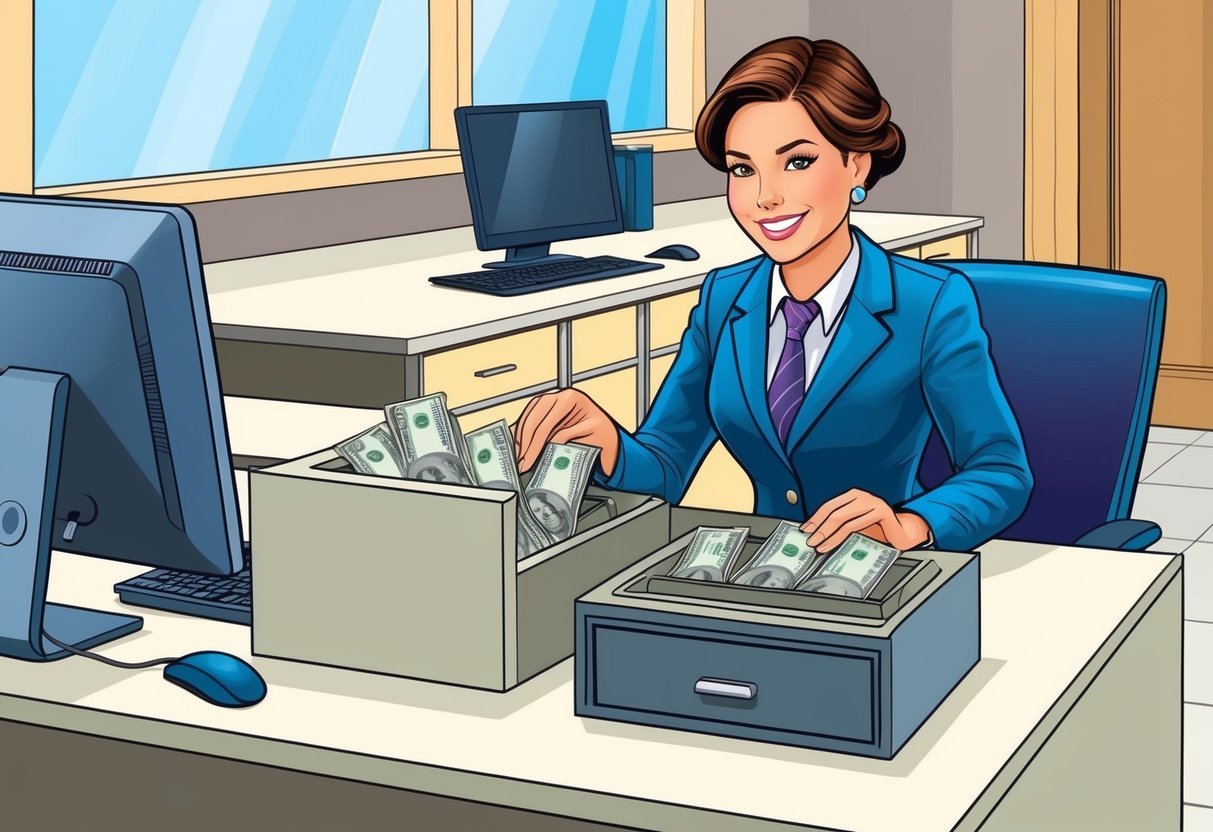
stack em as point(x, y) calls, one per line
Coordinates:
point(822, 363)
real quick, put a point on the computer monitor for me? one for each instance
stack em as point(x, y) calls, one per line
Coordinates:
point(538, 173)
point(112, 434)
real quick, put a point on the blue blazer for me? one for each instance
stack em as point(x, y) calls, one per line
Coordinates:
point(909, 352)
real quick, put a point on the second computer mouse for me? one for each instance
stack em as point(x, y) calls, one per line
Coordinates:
point(219, 678)
point(678, 251)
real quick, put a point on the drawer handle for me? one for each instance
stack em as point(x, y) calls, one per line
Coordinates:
point(939, 256)
point(725, 687)
point(495, 371)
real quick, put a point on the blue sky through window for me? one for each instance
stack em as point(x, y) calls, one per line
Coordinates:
point(137, 88)
point(560, 50)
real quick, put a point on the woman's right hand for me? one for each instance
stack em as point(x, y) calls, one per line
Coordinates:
point(566, 415)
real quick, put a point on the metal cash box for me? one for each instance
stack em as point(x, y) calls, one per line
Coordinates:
point(817, 671)
point(420, 579)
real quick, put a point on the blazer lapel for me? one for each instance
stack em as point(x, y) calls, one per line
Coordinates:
point(749, 326)
point(860, 334)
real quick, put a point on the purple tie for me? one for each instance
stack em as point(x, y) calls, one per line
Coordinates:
point(787, 385)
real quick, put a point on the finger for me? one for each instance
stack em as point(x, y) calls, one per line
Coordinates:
point(571, 433)
point(837, 517)
point(827, 508)
point(540, 436)
point(855, 524)
point(536, 411)
point(522, 419)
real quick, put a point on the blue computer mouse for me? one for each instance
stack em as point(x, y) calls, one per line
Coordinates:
point(218, 678)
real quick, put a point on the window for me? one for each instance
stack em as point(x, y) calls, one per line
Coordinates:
point(196, 100)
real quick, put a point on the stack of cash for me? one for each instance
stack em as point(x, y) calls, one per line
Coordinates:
point(420, 440)
point(785, 560)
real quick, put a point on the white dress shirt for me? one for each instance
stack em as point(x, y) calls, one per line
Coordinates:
point(832, 298)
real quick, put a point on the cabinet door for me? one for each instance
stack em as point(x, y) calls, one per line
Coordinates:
point(668, 318)
point(605, 338)
point(615, 393)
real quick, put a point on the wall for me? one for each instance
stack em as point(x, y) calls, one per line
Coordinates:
point(952, 70)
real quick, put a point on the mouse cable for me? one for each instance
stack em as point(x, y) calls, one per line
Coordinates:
point(113, 662)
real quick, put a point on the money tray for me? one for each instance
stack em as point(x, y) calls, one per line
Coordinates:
point(823, 672)
point(420, 579)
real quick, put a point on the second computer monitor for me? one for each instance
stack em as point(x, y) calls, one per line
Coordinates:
point(538, 173)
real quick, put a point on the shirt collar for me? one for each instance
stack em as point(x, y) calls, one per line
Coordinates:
point(832, 297)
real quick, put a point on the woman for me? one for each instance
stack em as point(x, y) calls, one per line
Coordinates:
point(823, 363)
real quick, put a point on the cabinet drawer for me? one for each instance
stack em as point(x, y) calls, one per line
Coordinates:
point(720, 483)
point(793, 687)
point(599, 340)
point(510, 411)
point(616, 394)
point(668, 318)
point(480, 371)
point(950, 248)
point(911, 251)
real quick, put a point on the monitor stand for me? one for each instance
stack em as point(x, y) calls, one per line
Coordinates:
point(33, 408)
point(529, 256)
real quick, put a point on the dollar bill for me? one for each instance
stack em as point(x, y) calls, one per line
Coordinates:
point(853, 569)
point(373, 452)
point(491, 451)
point(711, 554)
point(428, 440)
point(781, 561)
point(554, 493)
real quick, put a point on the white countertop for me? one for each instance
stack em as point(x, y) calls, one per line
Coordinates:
point(376, 295)
point(525, 748)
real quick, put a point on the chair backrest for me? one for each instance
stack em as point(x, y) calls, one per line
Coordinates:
point(1077, 351)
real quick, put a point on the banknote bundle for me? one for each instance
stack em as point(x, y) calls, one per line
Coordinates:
point(420, 440)
point(785, 560)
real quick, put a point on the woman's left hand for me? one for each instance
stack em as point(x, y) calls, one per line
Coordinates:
point(859, 511)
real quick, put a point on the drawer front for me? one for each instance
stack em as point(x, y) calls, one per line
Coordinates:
point(950, 249)
point(502, 365)
point(912, 251)
point(599, 340)
point(797, 688)
point(668, 318)
point(615, 393)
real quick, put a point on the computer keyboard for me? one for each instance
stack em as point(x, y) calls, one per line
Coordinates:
point(521, 280)
point(222, 597)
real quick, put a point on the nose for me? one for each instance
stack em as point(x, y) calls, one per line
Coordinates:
point(768, 198)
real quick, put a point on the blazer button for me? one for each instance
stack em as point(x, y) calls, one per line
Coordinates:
point(791, 495)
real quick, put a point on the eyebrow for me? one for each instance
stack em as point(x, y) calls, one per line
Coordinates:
point(778, 150)
point(790, 145)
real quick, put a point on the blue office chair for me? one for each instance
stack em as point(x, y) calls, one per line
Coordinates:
point(1077, 351)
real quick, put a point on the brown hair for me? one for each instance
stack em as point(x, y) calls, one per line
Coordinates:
point(832, 85)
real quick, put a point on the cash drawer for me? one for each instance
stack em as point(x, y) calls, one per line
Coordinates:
point(705, 676)
point(857, 676)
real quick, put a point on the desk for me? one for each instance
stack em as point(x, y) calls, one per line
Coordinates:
point(1071, 717)
point(359, 325)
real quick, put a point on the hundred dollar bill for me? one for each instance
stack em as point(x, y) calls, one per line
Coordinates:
point(430, 445)
point(853, 569)
point(491, 451)
point(711, 554)
point(373, 452)
point(554, 493)
point(783, 559)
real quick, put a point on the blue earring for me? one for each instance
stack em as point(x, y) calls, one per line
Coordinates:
point(858, 194)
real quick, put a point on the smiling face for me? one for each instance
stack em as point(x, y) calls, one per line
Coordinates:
point(788, 188)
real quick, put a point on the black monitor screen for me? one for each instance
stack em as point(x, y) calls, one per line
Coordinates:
point(538, 173)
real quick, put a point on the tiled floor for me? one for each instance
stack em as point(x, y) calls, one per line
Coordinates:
point(1176, 491)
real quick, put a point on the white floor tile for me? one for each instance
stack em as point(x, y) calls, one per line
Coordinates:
point(1198, 663)
point(1169, 545)
point(1198, 582)
point(1206, 440)
point(1175, 436)
point(1193, 465)
point(1198, 754)
point(1184, 513)
point(1207, 537)
point(1156, 454)
point(1198, 819)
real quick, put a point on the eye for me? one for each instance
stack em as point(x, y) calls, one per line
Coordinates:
point(799, 162)
point(740, 169)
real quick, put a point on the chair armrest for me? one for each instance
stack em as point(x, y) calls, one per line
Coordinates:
point(1130, 535)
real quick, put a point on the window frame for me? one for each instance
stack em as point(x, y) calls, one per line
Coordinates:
point(450, 86)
